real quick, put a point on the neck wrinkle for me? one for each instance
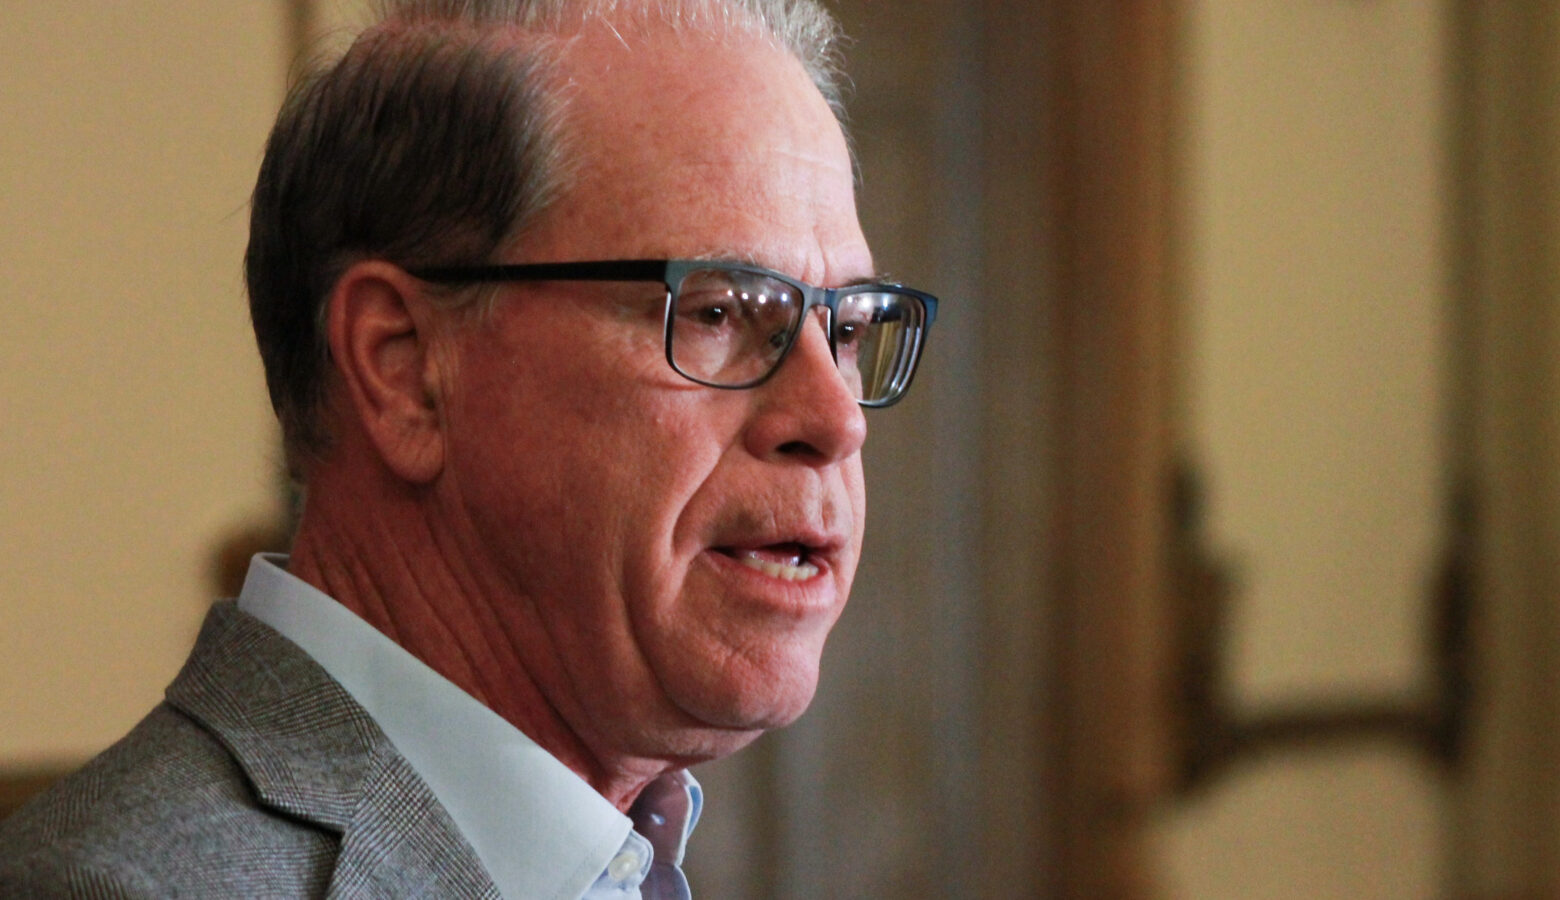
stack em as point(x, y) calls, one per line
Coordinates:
point(436, 608)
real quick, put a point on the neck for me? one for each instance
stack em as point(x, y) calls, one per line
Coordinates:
point(381, 551)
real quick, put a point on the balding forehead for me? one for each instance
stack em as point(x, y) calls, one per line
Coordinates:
point(691, 147)
point(696, 90)
point(803, 27)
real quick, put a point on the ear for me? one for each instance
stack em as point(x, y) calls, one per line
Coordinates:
point(380, 329)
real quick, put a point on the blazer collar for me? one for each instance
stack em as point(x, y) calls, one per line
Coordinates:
point(310, 751)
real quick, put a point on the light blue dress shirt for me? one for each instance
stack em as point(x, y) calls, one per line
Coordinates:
point(540, 830)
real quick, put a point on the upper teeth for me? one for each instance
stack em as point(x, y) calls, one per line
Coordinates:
point(796, 570)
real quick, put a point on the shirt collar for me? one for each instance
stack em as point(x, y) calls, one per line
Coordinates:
point(666, 812)
point(540, 830)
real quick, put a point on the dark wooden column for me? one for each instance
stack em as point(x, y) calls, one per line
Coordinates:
point(1110, 118)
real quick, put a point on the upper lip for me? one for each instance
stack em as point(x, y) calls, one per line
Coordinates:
point(816, 544)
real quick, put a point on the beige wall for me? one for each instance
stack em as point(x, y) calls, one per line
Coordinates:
point(136, 427)
point(1314, 249)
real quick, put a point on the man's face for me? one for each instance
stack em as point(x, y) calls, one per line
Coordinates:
point(667, 558)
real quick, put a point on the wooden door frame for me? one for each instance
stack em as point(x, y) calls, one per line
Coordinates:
point(1111, 118)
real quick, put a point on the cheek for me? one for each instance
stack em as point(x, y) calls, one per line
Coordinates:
point(856, 486)
point(549, 394)
point(580, 456)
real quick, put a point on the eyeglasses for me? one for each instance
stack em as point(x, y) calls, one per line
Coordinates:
point(730, 325)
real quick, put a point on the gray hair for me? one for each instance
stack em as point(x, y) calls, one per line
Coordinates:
point(432, 140)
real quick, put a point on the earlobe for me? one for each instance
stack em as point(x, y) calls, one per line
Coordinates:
point(380, 333)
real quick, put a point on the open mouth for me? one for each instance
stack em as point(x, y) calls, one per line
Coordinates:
point(787, 562)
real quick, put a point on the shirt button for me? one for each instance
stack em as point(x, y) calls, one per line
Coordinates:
point(625, 865)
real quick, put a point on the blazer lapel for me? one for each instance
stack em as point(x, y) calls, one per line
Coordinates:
point(401, 842)
point(312, 752)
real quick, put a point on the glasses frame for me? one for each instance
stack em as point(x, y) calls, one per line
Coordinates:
point(671, 273)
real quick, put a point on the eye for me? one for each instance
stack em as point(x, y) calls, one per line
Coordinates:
point(713, 314)
point(711, 310)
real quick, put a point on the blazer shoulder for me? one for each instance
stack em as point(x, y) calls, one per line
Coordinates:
point(165, 810)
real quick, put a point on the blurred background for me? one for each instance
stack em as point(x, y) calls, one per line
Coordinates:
point(1215, 554)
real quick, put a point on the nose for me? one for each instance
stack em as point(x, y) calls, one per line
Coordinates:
point(805, 411)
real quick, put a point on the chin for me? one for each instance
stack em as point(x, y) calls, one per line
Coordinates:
point(718, 720)
point(753, 705)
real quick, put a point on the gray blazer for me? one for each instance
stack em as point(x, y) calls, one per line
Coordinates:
point(258, 776)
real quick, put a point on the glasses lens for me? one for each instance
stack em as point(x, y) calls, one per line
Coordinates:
point(729, 328)
point(876, 340)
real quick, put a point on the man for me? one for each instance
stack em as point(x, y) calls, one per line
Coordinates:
point(582, 456)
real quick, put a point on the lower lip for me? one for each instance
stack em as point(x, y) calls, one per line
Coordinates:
point(805, 596)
